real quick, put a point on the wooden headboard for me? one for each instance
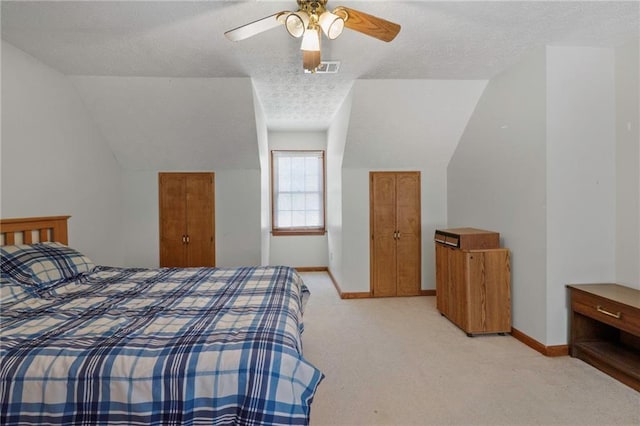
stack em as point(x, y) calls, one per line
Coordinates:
point(31, 230)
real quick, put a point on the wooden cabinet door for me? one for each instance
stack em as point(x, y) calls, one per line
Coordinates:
point(383, 227)
point(173, 216)
point(497, 267)
point(488, 286)
point(395, 234)
point(457, 287)
point(408, 250)
point(200, 220)
point(473, 288)
point(442, 274)
point(187, 225)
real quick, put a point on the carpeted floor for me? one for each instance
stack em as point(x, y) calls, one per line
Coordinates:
point(397, 361)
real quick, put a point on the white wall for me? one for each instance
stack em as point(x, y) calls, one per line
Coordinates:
point(627, 166)
point(581, 176)
point(265, 188)
point(336, 139)
point(54, 160)
point(237, 217)
point(355, 231)
point(497, 181)
point(162, 123)
point(238, 202)
point(141, 219)
point(155, 124)
point(400, 125)
point(537, 163)
point(298, 251)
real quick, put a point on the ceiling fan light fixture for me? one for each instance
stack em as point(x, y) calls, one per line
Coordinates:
point(306, 22)
point(311, 40)
point(296, 23)
point(331, 24)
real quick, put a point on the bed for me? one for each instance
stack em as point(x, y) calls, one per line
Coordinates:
point(87, 344)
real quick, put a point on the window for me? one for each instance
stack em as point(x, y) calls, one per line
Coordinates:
point(297, 192)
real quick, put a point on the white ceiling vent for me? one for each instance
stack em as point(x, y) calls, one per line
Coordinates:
point(326, 67)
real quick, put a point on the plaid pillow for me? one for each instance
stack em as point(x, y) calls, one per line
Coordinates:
point(43, 264)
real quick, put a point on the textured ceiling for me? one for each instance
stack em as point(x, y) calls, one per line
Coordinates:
point(438, 40)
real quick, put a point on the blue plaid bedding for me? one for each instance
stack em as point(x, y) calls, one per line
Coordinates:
point(162, 347)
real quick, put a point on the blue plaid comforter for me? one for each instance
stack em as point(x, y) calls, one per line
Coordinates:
point(162, 346)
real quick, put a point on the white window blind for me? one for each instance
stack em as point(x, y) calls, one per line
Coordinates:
point(298, 190)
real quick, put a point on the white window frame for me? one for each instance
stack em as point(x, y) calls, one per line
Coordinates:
point(279, 229)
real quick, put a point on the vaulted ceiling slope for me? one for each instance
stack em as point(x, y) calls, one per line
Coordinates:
point(184, 39)
point(152, 72)
point(161, 123)
point(425, 120)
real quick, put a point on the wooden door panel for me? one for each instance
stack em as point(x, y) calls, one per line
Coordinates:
point(173, 212)
point(457, 296)
point(490, 289)
point(408, 261)
point(396, 233)
point(408, 203)
point(383, 216)
point(383, 220)
point(442, 271)
point(383, 198)
point(383, 226)
point(384, 267)
point(476, 288)
point(408, 225)
point(200, 219)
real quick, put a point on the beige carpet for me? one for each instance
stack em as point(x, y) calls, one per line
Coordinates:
point(396, 361)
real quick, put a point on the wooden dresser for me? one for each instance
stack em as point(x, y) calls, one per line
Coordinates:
point(473, 280)
point(605, 329)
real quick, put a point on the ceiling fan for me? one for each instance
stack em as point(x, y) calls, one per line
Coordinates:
point(312, 18)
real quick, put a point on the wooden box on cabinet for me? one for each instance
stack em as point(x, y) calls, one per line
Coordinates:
point(468, 238)
point(473, 287)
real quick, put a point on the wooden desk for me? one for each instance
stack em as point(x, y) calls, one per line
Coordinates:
point(605, 329)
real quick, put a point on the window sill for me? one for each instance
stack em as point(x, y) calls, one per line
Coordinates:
point(297, 232)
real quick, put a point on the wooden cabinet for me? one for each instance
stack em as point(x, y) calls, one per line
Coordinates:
point(395, 233)
point(473, 286)
point(605, 329)
point(187, 226)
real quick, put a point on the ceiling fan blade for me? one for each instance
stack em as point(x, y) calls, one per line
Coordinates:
point(368, 24)
point(310, 59)
point(256, 27)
